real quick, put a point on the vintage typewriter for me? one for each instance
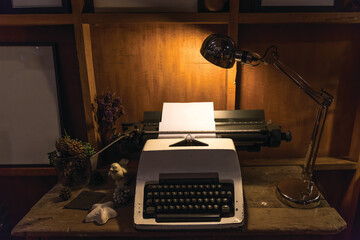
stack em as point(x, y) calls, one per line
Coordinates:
point(196, 183)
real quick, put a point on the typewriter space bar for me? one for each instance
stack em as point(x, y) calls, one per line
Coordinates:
point(188, 217)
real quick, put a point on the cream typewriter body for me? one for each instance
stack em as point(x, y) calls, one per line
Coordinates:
point(188, 187)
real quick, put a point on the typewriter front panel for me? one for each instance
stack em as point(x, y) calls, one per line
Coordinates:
point(219, 158)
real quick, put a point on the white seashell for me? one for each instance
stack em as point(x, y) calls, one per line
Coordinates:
point(101, 213)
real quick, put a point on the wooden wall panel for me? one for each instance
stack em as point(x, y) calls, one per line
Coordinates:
point(149, 64)
point(324, 55)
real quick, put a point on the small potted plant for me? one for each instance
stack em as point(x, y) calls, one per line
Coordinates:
point(72, 162)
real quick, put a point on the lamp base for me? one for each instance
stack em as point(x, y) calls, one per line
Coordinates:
point(296, 193)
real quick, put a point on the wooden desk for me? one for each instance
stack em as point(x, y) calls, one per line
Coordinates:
point(265, 216)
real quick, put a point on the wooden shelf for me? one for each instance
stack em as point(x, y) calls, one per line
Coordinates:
point(188, 18)
point(35, 19)
point(273, 18)
point(322, 163)
point(27, 171)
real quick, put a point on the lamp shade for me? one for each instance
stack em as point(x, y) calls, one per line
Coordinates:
point(219, 50)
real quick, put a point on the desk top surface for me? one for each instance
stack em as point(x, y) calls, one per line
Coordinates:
point(264, 213)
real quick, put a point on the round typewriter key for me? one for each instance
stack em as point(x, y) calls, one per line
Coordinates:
point(180, 194)
point(165, 208)
point(198, 194)
point(196, 207)
point(207, 186)
point(206, 200)
point(175, 200)
point(186, 194)
point(181, 200)
point(201, 186)
point(200, 200)
point(192, 193)
point(223, 193)
point(165, 187)
point(150, 210)
point(193, 200)
point(213, 186)
point(183, 187)
point(158, 208)
point(211, 193)
point(149, 202)
point(174, 194)
point(168, 194)
point(162, 201)
point(177, 207)
point(216, 193)
point(204, 193)
point(162, 194)
point(171, 207)
point(156, 194)
point(203, 207)
point(177, 187)
point(171, 187)
point(169, 201)
point(218, 200)
point(189, 186)
point(187, 200)
point(149, 195)
point(212, 200)
point(224, 200)
point(219, 186)
point(195, 186)
point(216, 207)
point(209, 207)
point(184, 207)
point(157, 201)
point(229, 194)
point(225, 209)
point(190, 207)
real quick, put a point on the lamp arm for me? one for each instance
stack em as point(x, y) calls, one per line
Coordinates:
point(323, 99)
point(271, 56)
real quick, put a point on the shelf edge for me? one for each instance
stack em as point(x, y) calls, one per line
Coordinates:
point(326, 18)
point(35, 19)
point(170, 18)
point(322, 163)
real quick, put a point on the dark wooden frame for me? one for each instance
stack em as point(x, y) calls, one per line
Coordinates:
point(58, 92)
point(338, 6)
point(7, 8)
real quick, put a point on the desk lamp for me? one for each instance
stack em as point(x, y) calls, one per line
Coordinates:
point(295, 192)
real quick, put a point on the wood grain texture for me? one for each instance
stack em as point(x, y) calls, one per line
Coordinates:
point(322, 163)
point(355, 140)
point(265, 215)
point(326, 56)
point(149, 64)
point(286, 18)
point(88, 90)
point(233, 31)
point(35, 19)
point(145, 18)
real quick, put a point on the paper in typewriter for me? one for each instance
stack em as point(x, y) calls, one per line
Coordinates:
point(187, 117)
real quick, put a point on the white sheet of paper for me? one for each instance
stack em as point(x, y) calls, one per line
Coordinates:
point(195, 116)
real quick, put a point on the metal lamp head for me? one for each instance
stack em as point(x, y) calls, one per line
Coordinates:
point(219, 50)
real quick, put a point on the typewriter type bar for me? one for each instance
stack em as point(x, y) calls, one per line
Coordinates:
point(247, 128)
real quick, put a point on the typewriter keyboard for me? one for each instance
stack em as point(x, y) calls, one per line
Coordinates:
point(182, 201)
